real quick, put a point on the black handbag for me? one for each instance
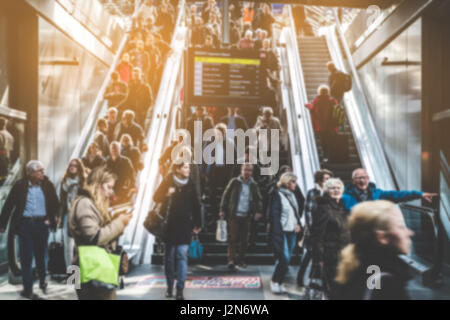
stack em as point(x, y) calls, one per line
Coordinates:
point(124, 261)
point(56, 259)
point(156, 221)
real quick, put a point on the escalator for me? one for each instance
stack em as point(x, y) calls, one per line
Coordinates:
point(156, 137)
point(314, 55)
point(365, 148)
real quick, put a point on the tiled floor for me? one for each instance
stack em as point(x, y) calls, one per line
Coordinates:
point(132, 291)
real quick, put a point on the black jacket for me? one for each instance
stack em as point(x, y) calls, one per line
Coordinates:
point(329, 231)
point(395, 274)
point(139, 99)
point(115, 93)
point(135, 157)
point(134, 130)
point(17, 198)
point(240, 122)
point(336, 81)
point(272, 186)
point(98, 162)
point(183, 209)
point(207, 123)
point(126, 175)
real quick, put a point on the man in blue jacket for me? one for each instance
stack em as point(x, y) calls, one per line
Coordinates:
point(363, 190)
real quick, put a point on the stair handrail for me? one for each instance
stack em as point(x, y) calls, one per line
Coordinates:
point(134, 238)
point(309, 155)
point(370, 149)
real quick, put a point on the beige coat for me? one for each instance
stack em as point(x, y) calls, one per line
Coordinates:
point(87, 226)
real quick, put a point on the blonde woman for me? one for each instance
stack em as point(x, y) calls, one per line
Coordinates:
point(329, 232)
point(90, 224)
point(379, 235)
point(285, 217)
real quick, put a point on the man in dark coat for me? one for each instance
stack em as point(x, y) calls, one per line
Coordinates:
point(140, 97)
point(140, 58)
point(336, 82)
point(241, 202)
point(129, 126)
point(126, 175)
point(33, 206)
point(112, 121)
point(116, 91)
point(234, 121)
point(207, 123)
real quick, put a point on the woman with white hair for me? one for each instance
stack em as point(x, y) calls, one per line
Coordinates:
point(325, 125)
point(329, 232)
point(247, 42)
point(285, 215)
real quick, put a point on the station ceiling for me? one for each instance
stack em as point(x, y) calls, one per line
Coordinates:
point(336, 3)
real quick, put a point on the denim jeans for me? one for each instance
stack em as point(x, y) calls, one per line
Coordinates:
point(176, 261)
point(69, 242)
point(282, 266)
point(33, 241)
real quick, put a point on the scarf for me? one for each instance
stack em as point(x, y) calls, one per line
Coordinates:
point(180, 182)
point(291, 197)
point(71, 186)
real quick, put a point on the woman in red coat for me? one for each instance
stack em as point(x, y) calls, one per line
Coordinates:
point(323, 121)
point(125, 68)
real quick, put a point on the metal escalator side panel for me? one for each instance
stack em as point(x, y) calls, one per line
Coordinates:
point(370, 149)
point(135, 238)
point(99, 107)
point(307, 153)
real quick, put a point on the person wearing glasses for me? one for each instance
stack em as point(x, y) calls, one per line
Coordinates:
point(33, 206)
point(362, 190)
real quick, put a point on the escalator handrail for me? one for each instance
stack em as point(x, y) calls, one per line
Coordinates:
point(149, 176)
point(293, 123)
point(370, 149)
point(10, 181)
point(159, 139)
point(445, 168)
point(308, 142)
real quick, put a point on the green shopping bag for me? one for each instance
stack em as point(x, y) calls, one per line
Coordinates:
point(96, 264)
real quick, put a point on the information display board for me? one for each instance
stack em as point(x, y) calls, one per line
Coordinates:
point(223, 77)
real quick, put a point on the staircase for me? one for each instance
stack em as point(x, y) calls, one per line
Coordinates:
point(215, 253)
point(314, 56)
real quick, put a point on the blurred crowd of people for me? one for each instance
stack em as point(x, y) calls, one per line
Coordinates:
point(106, 175)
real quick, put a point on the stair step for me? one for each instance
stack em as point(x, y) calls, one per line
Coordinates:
point(210, 237)
point(221, 259)
point(220, 247)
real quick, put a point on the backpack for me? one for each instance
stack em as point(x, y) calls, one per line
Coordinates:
point(347, 82)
